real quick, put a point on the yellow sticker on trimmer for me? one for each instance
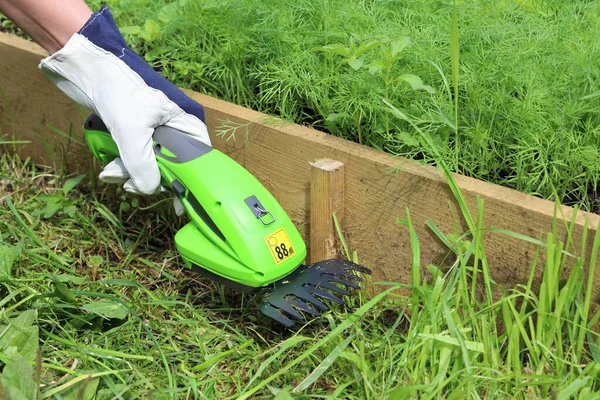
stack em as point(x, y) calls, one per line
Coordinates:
point(280, 245)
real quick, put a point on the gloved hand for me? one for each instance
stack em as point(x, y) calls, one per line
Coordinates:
point(99, 71)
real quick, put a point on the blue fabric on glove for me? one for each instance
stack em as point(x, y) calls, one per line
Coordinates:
point(102, 30)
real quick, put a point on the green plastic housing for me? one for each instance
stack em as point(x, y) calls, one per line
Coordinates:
point(224, 236)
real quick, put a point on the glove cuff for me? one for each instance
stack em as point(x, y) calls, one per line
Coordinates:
point(102, 31)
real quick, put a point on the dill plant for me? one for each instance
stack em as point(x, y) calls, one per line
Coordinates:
point(518, 112)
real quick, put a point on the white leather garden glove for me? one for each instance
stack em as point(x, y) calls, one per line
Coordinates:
point(99, 71)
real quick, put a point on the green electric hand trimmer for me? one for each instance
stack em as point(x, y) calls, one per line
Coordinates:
point(238, 234)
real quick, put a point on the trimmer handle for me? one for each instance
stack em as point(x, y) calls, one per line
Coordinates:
point(229, 234)
point(99, 140)
point(169, 143)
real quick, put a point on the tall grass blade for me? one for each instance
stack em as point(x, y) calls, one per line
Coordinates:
point(338, 229)
point(288, 344)
point(348, 322)
point(454, 60)
point(60, 261)
point(80, 378)
point(440, 235)
point(415, 249)
point(323, 366)
point(589, 289)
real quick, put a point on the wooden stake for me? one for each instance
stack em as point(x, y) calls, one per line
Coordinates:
point(326, 198)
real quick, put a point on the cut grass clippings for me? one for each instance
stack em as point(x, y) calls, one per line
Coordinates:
point(105, 298)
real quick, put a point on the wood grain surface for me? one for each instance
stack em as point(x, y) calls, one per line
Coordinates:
point(327, 184)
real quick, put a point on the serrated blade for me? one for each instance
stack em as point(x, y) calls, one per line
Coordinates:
point(307, 287)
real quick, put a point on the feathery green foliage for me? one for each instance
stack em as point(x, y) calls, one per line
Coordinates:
point(506, 88)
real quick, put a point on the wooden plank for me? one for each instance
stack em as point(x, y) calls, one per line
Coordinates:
point(326, 199)
point(32, 109)
point(378, 189)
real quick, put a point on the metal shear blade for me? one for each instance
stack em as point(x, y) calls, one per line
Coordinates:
point(302, 291)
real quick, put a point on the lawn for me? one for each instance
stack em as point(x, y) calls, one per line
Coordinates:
point(95, 303)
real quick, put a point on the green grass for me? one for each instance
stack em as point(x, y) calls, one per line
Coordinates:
point(92, 279)
point(506, 89)
point(89, 275)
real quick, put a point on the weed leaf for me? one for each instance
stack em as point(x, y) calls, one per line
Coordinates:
point(151, 31)
point(106, 309)
point(335, 117)
point(7, 257)
point(280, 394)
point(363, 48)
point(356, 64)
point(398, 46)
point(71, 183)
point(407, 138)
point(68, 278)
point(21, 336)
point(376, 67)
point(401, 392)
point(415, 82)
point(352, 357)
point(120, 282)
point(17, 379)
point(53, 205)
point(335, 49)
point(131, 30)
point(62, 291)
point(570, 391)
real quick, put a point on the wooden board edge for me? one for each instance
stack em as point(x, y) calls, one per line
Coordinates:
point(468, 185)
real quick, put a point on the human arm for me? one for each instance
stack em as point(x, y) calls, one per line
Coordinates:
point(50, 23)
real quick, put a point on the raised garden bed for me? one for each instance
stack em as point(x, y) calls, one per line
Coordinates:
point(116, 315)
point(378, 187)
